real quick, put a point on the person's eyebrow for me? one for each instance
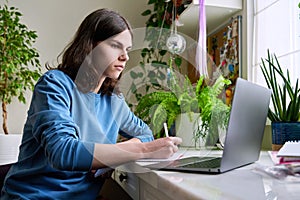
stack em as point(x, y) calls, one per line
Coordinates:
point(122, 45)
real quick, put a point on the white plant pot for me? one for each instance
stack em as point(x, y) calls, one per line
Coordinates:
point(185, 130)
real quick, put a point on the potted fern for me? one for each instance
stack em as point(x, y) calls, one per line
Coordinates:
point(199, 102)
point(19, 63)
point(284, 113)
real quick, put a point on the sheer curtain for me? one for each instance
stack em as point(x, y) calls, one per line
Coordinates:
point(276, 26)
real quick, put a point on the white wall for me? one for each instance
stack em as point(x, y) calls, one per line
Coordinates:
point(56, 22)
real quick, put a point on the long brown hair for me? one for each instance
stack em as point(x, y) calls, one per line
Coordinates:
point(96, 27)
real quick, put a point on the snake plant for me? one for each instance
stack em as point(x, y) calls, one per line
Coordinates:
point(285, 97)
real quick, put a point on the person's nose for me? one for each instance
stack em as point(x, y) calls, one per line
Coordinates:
point(124, 56)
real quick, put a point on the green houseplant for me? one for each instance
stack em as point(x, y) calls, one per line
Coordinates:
point(156, 103)
point(154, 57)
point(165, 106)
point(16, 55)
point(285, 111)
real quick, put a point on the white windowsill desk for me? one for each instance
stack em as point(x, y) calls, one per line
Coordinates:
point(242, 183)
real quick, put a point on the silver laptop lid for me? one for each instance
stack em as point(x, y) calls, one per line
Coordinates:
point(246, 125)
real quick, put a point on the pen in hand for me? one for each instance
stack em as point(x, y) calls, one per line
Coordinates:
point(166, 129)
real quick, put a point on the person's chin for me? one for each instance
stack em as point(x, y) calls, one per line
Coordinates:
point(115, 76)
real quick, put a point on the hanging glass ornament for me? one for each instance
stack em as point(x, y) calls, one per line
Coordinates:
point(176, 43)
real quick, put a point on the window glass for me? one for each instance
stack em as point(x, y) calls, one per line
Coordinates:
point(276, 27)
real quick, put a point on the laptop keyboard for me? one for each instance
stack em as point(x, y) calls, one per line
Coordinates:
point(211, 163)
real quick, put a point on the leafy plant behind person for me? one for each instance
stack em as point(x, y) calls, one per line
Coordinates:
point(154, 64)
point(15, 55)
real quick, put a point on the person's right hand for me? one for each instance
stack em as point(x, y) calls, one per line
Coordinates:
point(162, 147)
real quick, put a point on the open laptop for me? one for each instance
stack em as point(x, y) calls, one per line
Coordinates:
point(243, 138)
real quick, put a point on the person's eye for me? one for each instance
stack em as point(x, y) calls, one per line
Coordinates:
point(116, 46)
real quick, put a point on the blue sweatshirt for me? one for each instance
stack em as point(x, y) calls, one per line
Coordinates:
point(59, 135)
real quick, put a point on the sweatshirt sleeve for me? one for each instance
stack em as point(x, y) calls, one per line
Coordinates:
point(53, 126)
point(130, 124)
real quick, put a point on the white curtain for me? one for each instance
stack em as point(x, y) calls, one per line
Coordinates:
point(277, 28)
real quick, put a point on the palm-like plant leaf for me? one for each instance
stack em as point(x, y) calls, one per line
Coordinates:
point(283, 110)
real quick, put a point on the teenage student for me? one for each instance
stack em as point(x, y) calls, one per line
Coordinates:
point(75, 115)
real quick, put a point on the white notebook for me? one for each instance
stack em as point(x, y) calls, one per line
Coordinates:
point(290, 149)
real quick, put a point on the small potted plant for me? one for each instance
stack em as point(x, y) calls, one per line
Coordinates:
point(284, 112)
point(199, 102)
point(19, 63)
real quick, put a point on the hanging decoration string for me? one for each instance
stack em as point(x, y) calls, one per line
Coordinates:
point(162, 24)
point(175, 42)
point(174, 15)
point(201, 54)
